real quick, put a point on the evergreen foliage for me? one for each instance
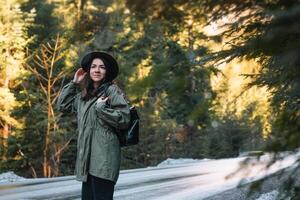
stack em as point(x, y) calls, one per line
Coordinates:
point(269, 33)
point(167, 63)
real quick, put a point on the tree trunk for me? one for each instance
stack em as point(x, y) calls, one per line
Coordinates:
point(6, 126)
point(46, 162)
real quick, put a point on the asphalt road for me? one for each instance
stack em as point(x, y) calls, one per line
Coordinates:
point(187, 181)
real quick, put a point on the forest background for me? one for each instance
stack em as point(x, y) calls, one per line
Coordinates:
point(210, 79)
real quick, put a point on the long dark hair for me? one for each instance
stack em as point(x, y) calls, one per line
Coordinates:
point(87, 87)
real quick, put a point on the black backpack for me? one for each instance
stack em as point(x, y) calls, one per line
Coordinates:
point(130, 136)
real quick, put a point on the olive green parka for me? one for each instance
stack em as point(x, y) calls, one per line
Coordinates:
point(98, 148)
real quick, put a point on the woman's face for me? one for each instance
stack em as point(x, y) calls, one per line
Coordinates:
point(97, 70)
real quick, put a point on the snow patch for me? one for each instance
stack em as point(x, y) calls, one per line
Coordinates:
point(171, 161)
point(10, 177)
point(269, 196)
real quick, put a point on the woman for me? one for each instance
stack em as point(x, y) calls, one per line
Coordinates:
point(101, 108)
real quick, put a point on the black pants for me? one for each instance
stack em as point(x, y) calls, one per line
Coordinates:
point(97, 189)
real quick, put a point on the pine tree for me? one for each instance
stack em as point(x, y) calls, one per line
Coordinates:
point(267, 32)
point(269, 35)
point(14, 24)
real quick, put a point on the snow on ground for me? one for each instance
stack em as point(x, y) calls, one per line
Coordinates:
point(10, 177)
point(171, 161)
point(269, 196)
point(178, 179)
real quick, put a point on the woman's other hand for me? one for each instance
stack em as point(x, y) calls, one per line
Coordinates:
point(102, 99)
point(79, 75)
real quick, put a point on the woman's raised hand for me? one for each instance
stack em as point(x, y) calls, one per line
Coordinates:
point(79, 75)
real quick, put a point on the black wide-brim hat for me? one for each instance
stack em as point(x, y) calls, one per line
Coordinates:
point(112, 68)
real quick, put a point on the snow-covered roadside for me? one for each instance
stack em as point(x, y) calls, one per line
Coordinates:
point(178, 161)
point(172, 179)
point(255, 169)
point(269, 196)
point(9, 177)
